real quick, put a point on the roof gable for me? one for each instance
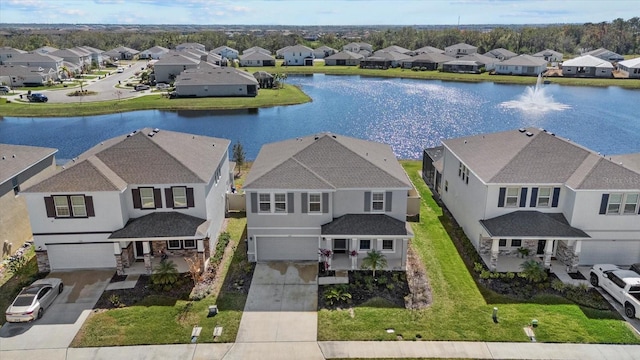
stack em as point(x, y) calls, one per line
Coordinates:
point(14, 159)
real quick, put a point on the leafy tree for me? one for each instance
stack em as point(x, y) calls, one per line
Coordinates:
point(238, 155)
point(533, 271)
point(375, 260)
point(165, 274)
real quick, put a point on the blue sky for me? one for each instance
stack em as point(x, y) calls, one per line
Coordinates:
point(315, 12)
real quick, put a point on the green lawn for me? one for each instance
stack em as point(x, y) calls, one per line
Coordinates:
point(289, 95)
point(459, 311)
point(158, 320)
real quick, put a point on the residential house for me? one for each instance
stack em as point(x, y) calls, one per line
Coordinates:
point(121, 53)
point(323, 52)
point(154, 53)
point(343, 58)
point(265, 80)
point(45, 49)
point(280, 52)
point(298, 55)
point(545, 194)
point(605, 54)
point(226, 52)
point(427, 61)
point(500, 54)
point(359, 48)
point(7, 53)
point(550, 56)
point(327, 191)
point(460, 50)
point(36, 60)
point(191, 46)
point(630, 68)
point(394, 57)
point(522, 65)
point(216, 59)
point(486, 62)
point(74, 59)
point(256, 49)
point(428, 50)
point(398, 49)
point(463, 66)
point(257, 58)
point(132, 197)
point(375, 62)
point(209, 81)
point(95, 55)
point(20, 167)
point(172, 64)
point(19, 75)
point(587, 66)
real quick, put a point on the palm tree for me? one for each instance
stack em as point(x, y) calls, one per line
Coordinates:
point(166, 273)
point(375, 260)
point(65, 70)
point(533, 271)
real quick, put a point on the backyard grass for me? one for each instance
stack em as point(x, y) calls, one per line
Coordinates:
point(459, 311)
point(164, 320)
point(289, 95)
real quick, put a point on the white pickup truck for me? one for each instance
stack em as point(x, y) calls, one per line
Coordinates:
point(622, 285)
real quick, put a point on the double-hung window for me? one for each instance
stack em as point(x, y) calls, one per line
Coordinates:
point(614, 204)
point(264, 203)
point(630, 204)
point(62, 206)
point(179, 197)
point(280, 203)
point(147, 199)
point(365, 245)
point(78, 207)
point(387, 245)
point(512, 197)
point(377, 201)
point(315, 203)
point(544, 196)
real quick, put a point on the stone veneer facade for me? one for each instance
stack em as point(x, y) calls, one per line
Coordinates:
point(566, 255)
point(485, 249)
point(42, 258)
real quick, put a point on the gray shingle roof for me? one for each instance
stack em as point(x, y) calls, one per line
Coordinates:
point(215, 76)
point(160, 225)
point(177, 58)
point(431, 57)
point(588, 61)
point(529, 223)
point(525, 60)
point(429, 49)
point(435, 153)
point(480, 58)
point(326, 161)
point(166, 158)
point(365, 224)
point(500, 52)
point(344, 55)
point(396, 48)
point(14, 159)
point(539, 158)
point(256, 55)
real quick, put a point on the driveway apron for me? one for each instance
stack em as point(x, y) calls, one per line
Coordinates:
point(282, 304)
point(62, 320)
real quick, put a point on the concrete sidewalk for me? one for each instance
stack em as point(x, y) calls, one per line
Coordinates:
point(341, 349)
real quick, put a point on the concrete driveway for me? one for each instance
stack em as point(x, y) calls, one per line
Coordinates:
point(282, 304)
point(62, 320)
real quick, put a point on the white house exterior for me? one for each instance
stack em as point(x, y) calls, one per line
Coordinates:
point(132, 197)
point(36, 60)
point(549, 55)
point(173, 64)
point(531, 189)
point(298, 55)
point(329, 192)
point(522, 65)
point(359, 48)
point(226, 52)
point(256, 49)
point(323, 52)
point(257, 58)
point(7, 53)
point(587, 66)
point(209, 81)
point(154, 53)
point(630, 68)
point(18, 75)
point(460, 50)
point(343, 58)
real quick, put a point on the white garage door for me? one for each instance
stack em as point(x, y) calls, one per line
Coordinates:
point(81, 256)
point(289, 248)
point(618, 252)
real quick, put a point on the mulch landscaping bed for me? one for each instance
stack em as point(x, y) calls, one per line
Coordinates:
point(391, 286)
point(143, 288)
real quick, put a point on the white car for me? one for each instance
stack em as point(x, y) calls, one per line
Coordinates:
point(120, 70)
point(622, 285)
point(33, 300)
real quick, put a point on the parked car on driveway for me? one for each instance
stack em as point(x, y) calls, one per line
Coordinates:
point(622, 285)
point(37, 97)
point(33, 300)
point(141, 87)
point(635, 267)
point(4, 89)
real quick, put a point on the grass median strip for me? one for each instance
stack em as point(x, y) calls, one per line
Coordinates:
point(459, 311)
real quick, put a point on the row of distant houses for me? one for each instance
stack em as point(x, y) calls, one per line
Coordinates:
point(566, 205)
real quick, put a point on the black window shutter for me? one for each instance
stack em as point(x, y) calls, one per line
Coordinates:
point(254, 202)
point(325, 203)
point(137, 201)
point(523, 197)
point(157, 198)
point(191, 202)
point(51, 208)
point(88, 203)
point(603, 204)
point(501, 196)
point(303, 203)
point(534, 197)
point(556, 196)
point(367, 201)
point(290, 209)
point(388, 201)
point(168, 197)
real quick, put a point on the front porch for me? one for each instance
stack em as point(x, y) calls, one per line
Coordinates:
point(557, 267)
point(345, 262)
point(139, 268)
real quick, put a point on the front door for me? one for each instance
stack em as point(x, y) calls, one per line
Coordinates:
point(139, 250)
point(339, 246)
point(541, 245)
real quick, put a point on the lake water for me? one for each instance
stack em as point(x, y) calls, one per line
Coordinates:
point(407, 114)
